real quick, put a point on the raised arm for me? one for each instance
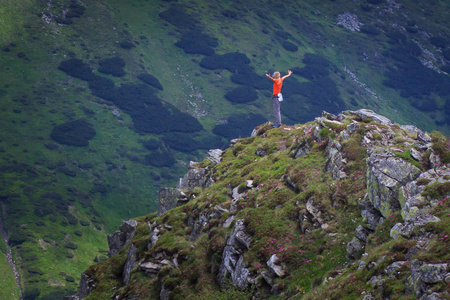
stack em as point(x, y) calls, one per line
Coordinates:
point(270, 77)
point(289, 74)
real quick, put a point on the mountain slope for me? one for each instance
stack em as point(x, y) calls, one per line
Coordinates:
point(345, 206)
point(104, 102)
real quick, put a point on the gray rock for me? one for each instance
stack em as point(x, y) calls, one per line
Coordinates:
point(433, 296)
point(150, 269)
point(261, 152)
point(195, 177)
point(314, 211)
point(335, 161)
point(351, 128)
point(272, 263)
point(154, 234)
point(353, 247)
point(371, 216)
point(386, 173)
point(168, 198)
point(215, 155)
point(349, 21)
point(129, 264)
point(199, 224)
point(345, 135)
point(232, 265)
point(416, 154)
point(392, 268)
point(228, 222)
point(406, 229)
point(433, 273)
point(362, 265)
point(164, 294)
point(121, 238)
point(374, 280)
point(367, 113)
point(303, 150)
point(362, 233)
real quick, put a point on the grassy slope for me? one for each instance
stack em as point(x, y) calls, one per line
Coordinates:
point(315, 261)
point(36, 97)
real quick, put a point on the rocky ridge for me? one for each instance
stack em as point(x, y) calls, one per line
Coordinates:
point(397, 180)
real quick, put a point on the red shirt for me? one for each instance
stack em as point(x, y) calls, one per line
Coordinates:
point(277, 83)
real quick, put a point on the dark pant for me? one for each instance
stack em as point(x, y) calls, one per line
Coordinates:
point(276, 110)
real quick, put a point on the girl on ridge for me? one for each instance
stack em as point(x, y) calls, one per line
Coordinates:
point(276, 96)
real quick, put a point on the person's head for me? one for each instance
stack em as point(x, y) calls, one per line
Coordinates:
point(276, 75)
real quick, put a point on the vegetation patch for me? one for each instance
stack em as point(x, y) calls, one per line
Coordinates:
point(113, 66)
point(74, 133)
point(242, 94)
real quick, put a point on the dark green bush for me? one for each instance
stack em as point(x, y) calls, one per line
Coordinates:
point(234, 62)
point(150, 80)
point(177, 16)
point(197, 42)
point(71, 245)
point(289, 46)
point(74, 133)
point(242, 94)
point(239, 125)
point(113, 66)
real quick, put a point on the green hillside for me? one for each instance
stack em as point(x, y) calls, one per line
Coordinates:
point(104, 102)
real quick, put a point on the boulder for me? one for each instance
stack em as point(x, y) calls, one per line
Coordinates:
point(232, 265)
point(121, 238)
point(169, 198)
point(386, 173)
point(274, 267)
point(129, 264)
point(215, 155)
point(353, 247)
point(195, 177)
point(369, 114)
point(335, 161)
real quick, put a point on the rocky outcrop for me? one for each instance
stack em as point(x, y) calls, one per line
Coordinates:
point(386, 174)
point(129, 264)
point(335, 161)
point(121, 238)
point(233, 266)
point(86, 286)
point(424, 276)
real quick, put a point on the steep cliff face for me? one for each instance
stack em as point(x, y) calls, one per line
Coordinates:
point(348, 205)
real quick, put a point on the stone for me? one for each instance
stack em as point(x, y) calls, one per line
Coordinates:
point(349, 21)
point(261, 152)
point(228, 222)
point(433, 273)
point(335, 162)
point(150, 269)
point(392, 268)
point(232, 265)
point(362, 233)
point(215, 155)
point(362, 265)
point(272, 263)
point(351, 128)
point(195, 177)
point(386, 173)
point(367, 113)
point(154, 234)
point(121, 238)
point(353, 247)
point(303, 150)
point(129, 264)
point(168, 198)
point(371, 216)
point(416, 154)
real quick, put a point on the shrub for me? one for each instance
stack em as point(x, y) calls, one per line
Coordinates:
point(113, 66)
point(85, 223)
point(150, 80)
point(252, 79)
point(234, 62)
point(446, 54)
point(375, 2)
point(76, 10)
point(229, 14)
point(242, 94)
point(76, 68)
point(370, 30)
point(177, 16)
point(196, 42)
point(161, 158)
point(102, 87)
point(439, 42)
point(127, 45)
point(152, 144)
point(180, 142)
point(289, 46)
point(75, 133)
point(71, 245)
